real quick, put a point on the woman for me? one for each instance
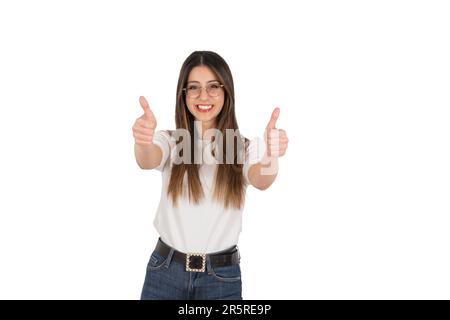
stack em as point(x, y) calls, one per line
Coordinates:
point(204, 178)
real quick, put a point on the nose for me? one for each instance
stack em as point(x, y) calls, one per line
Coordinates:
point(203, 94)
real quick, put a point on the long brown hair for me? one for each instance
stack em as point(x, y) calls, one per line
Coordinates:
point(229, 181)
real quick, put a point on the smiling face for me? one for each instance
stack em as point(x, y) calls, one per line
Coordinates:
point(206, 106)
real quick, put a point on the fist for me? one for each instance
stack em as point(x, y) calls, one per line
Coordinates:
point(144, 126)
point(276, 139)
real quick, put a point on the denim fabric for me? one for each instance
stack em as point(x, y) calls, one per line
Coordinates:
point(167, 280)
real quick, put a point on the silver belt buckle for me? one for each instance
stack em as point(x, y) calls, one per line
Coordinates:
point(195, 255)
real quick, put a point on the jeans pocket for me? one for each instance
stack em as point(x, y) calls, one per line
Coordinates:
point(228, 273)
point(156, 262)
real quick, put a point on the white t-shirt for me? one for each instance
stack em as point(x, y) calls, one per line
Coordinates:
point(206, 227)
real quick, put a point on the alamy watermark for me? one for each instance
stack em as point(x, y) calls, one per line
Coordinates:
point(232, 136)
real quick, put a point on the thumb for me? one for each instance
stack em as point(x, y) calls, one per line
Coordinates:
point(144, 104)
point(273, 118)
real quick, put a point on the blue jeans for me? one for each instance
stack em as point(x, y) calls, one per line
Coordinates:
point(167, 280)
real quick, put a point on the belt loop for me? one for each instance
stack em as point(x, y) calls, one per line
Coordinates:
point(208, 264)
point(169, 257)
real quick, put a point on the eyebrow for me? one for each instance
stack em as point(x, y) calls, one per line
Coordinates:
point(206, 82)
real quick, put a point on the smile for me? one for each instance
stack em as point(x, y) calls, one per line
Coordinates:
point(204, 107)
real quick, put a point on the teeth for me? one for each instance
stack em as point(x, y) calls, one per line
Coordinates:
point(204, 107)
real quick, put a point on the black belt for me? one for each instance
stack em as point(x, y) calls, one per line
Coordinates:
point(194, 262)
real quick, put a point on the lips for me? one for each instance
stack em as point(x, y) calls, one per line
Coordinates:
point(204, 107)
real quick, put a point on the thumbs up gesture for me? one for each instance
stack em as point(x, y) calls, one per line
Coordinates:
point(145, 125)
point(276, 139)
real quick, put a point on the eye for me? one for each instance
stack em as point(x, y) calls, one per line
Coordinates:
point(192, 87)
point(214, 86)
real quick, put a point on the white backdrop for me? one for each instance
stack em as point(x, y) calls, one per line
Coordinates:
point(360, 208)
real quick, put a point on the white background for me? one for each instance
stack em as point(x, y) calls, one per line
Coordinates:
point(360, 208)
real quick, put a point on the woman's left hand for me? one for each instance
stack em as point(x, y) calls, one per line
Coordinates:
point(276, 139)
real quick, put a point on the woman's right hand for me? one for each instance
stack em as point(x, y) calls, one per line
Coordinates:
point(144, 126)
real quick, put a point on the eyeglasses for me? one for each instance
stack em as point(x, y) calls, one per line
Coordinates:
point(194, 90)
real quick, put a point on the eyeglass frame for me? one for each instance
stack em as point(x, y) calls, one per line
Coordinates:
point(201, 89)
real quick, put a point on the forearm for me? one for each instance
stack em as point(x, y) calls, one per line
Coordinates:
point(148, 156)
point(263, 173)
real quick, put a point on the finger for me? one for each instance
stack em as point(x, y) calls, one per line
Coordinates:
point(276, 142)
point(149, 118)
point(273, 118)
point(142, 142)
point(274, 133)
point(146, 123)
point(279, 145)
point(277, 153)
point(142, 137)
point(144, 104)
point(283, 140)
point(278, 148)
point(141, 129)
point(282, 133)
point(274, 153)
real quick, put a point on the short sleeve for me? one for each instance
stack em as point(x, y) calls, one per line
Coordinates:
point(253, 154)
point(162, 139)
